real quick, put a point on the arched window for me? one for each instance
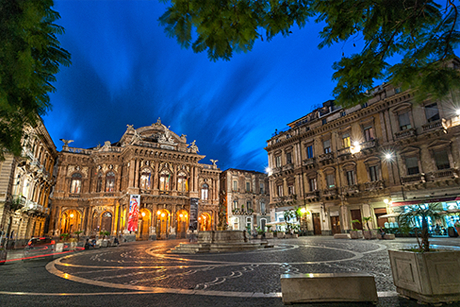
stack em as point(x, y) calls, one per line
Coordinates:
point(146, 179)
point(75, 186)
point(165, 178)
point(204, 191)
point(182, 184)
point(110, 182)
point(99, 183)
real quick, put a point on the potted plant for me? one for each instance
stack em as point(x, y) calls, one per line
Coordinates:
point(457, 226)
point(428, 275)
point(369, 234)
point(104, 234)
point(355, 233)
point(269, 234)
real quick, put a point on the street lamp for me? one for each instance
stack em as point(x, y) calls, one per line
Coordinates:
point(389, 156)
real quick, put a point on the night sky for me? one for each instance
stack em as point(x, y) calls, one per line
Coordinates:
point(127, 71)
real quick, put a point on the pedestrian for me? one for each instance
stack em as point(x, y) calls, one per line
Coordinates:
point(115, 241)
point(87, 244)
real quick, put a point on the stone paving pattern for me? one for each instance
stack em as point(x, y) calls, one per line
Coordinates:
point(145, 266)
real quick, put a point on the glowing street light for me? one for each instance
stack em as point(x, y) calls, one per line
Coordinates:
point(457, 112)
point(355, 148)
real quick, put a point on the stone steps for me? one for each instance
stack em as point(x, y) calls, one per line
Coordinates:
point(194, 248)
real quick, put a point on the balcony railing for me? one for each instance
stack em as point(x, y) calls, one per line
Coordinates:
point(445, 173)
point(309, 162)
point(325, 157)
point(276, 170)
point(288, 167)
point(311, 194)
point(413, 179)
point(329, 192)
point(343, 151)
point(435, 125)
point(405, 133)
point(375, 185)
point(369, 144)
point(351, 189)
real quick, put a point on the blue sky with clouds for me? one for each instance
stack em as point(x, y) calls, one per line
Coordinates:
point(127, 71)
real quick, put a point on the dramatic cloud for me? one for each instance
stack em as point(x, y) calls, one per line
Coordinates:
point(127, 71)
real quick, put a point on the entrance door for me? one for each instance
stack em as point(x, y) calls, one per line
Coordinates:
point(182, 218)
point(335, 224)
point(379, 212)
point(316, 224)
point(356, 215)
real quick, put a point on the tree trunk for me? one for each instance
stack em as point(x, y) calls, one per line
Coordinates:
point(425, 242)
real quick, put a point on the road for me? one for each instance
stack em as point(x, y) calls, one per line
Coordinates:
point(144, 274)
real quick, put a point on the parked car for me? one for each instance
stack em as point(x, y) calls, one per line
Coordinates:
point(38, 246)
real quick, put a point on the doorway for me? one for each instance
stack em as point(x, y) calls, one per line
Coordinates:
point(335, 224)
point(380, 221)
point(356, 215)
point(182, 221)
point(316, 224)
point(163, 222)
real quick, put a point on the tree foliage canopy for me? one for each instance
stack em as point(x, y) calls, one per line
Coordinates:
point(424, 33)
point(30, 55)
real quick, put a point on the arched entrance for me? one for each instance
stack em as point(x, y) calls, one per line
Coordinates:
point(204, 221)
point(106, 222)
point(144, 223)
point(163, 223)
point(182, 224)
point(70, 221)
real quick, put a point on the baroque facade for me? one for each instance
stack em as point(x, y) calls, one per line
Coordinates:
point(93, 186)
point(25, 186)
point(370, 160)
point(246, 197)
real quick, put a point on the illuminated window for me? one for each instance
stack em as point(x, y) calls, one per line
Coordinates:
point(165, 178)
point(146, 179)
point(346, 143)
point(75, 186)
point(204, 191)
point(110, 182)
point(182, 183)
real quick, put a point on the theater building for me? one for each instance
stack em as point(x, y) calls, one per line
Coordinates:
point(371, 160)
point(93, 186)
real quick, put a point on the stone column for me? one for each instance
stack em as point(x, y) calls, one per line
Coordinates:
point(132, 167)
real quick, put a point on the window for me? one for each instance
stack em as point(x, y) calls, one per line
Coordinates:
point(312, 184)
point(110, 182)
point(75, 186)
point(309, 151)
point(164, 181)
point(146, 179)
point(235, 204)
point(364, 105)
point(262, 207)
point(343, 113)
point(324, 121)
point(291, 189)
point(249, 204)
point(249, 223)
point(182, 183)
point(248, 187)
point(373, 173)
point(369, 133)
point(442, 159)
point(204, 191)
point(404, 121)
point(261, 188)
point(330, 180)
point(99, 183)
point(278, 161)
point(412, 165)
point(432, 112)
point(346, 143)
point(327, 146)
point(288, 158)
point(235, 185)
point(350, 177)
point(280, 190)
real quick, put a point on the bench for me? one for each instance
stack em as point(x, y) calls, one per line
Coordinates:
point(328, 287)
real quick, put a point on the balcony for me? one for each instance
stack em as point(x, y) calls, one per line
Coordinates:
point(276, 170)
point(32, 207)
point(369, 145)
point(343, 152)
point(351, 189)
point(312, 196)
point(405, 133)
point(326, 158)
point(435, 125)
point(309, 163)
point(374, 186)
point(413, 179)
point(288, 167)
point(242, 211)
point(330, 193)
point(449, 173)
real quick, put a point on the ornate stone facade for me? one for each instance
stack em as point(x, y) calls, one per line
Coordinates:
point(345, 164)
point(25, 186)
point(246, 196)
point(94, 185)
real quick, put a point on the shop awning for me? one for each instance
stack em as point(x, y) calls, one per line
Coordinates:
point(388, 215)
point(424, 201)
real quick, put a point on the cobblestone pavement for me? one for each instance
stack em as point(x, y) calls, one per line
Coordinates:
point(144, 273)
